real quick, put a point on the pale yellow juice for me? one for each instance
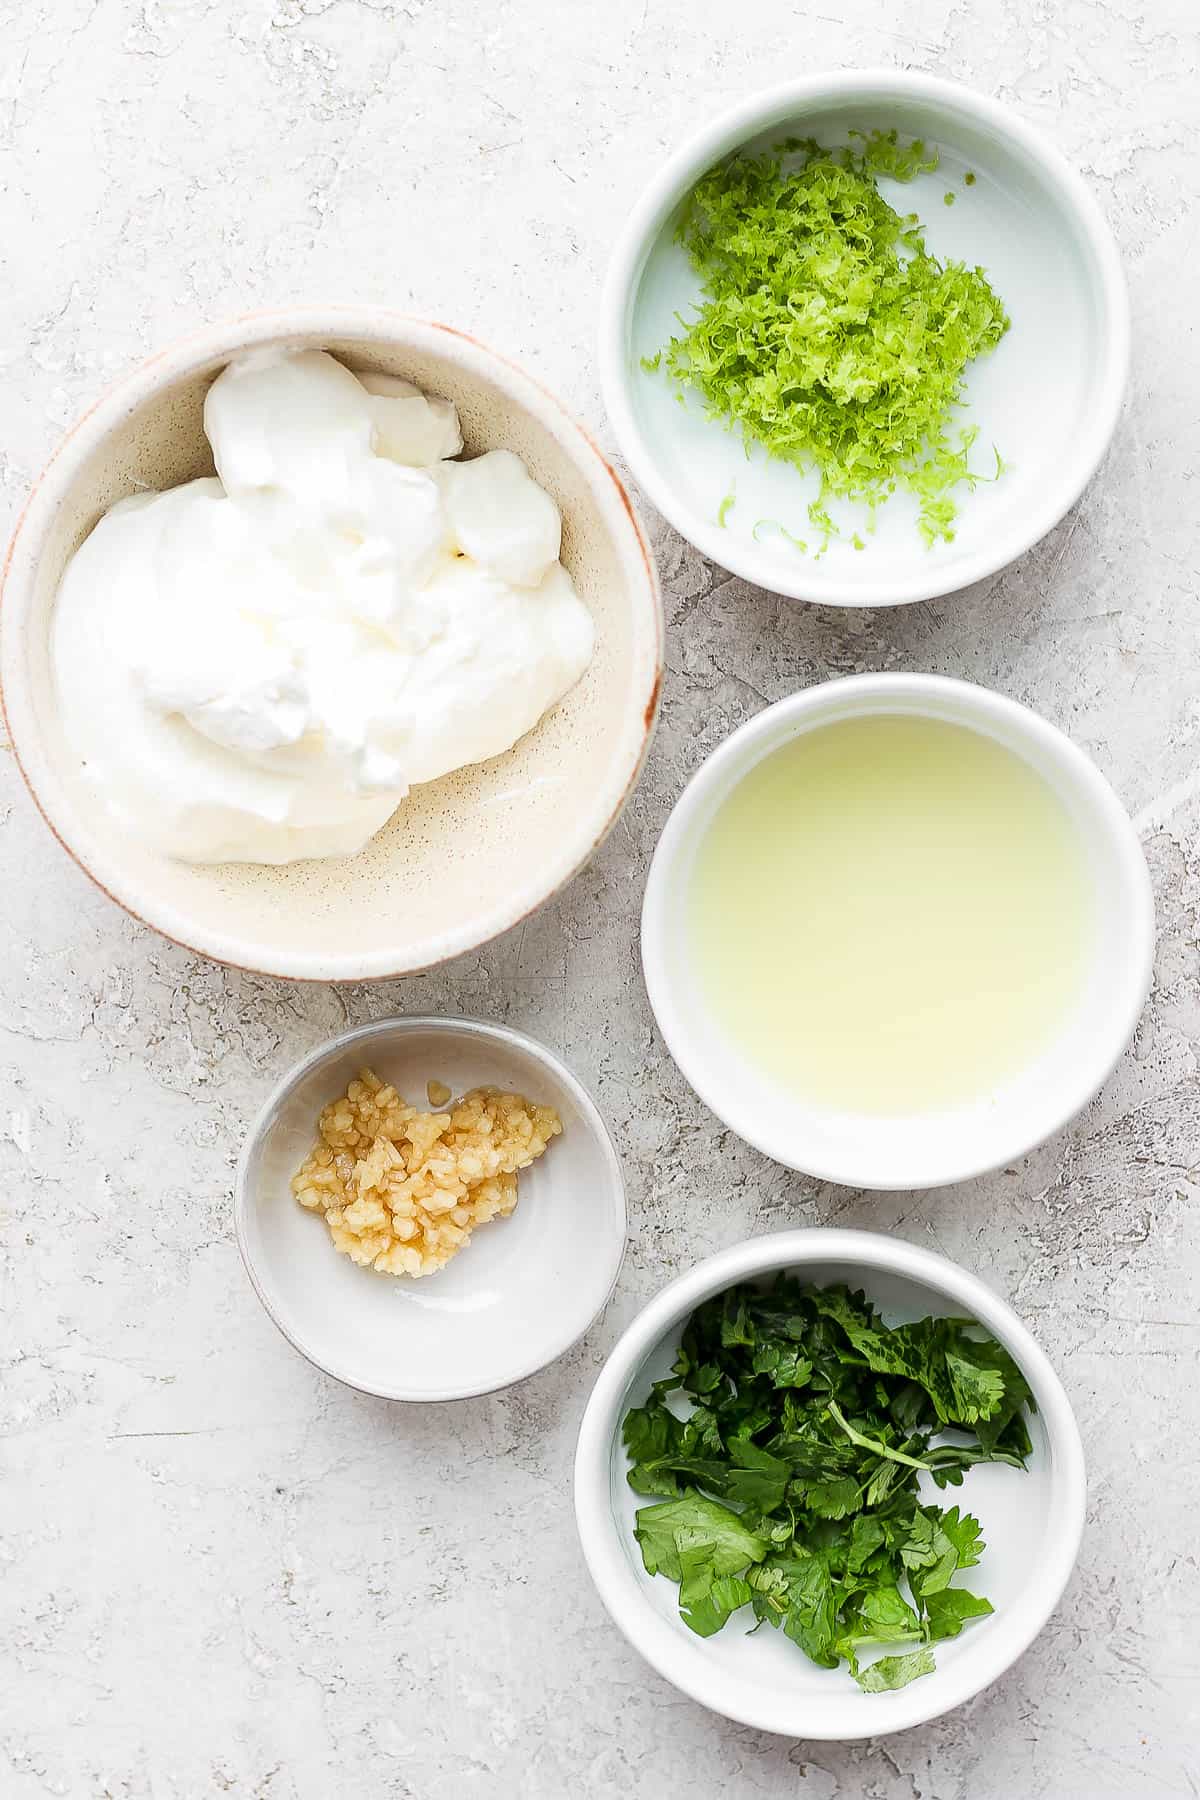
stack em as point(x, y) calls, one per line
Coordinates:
point(891, 914)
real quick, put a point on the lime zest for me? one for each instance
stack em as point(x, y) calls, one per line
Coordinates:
point(774, 525)
point(826, 332)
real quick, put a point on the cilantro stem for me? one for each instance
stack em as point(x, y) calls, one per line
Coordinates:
point(866, 1443)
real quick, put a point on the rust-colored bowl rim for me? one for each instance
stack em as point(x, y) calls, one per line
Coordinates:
point(186, 356)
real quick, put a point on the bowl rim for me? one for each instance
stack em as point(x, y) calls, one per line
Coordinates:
point(737, 750)
point(177, 360)
point(404, 1025)
point(759, 111)
point(619, 1587)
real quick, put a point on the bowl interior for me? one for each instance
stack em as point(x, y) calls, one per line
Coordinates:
point(1016, 222)
point(463, 857)
point(515, 1297)
point(922, 1150)
point(765, 1679)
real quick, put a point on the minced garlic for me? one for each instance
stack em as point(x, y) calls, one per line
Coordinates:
point(402, 1190)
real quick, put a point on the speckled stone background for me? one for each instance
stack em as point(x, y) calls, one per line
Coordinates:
point(221, 1574)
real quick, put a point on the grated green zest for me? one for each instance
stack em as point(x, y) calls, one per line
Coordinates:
point(827, 332)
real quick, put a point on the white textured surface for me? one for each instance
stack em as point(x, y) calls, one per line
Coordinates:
point(220, 1573)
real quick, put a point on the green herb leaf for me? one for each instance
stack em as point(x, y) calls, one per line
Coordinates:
point(978, 1391)
point(757, 1478)
point(965, 1534)
point(650, 1432)
point(707, 1613)
point(834, 1499)
point(930, 1555)
point(948, 1611)
point(892, 1672)
point(811, 1616)
point(784, 1363)
point(880, 1616)
point(727, 1544)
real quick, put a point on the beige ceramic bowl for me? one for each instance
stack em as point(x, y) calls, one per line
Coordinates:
point(463, 858)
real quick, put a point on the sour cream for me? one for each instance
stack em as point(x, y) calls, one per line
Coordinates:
point(257, 666)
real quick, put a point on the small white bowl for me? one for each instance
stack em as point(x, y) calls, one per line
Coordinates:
point(935, 1148)
point(1032, 1520)
point(462, 858)
point(1048, 397)
point(516, 1297)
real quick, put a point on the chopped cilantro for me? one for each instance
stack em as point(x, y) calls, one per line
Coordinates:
point(948, 197)
point(969, 178)
point(826, 331)
point(791, 1486)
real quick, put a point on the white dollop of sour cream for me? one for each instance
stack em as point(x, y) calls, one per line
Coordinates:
point(256, 667)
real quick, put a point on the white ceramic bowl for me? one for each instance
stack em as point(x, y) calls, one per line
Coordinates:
point(1048, 397)
point(464, 857)
point(514, 1298)
point(935, 1148)
point(1032, 1520)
